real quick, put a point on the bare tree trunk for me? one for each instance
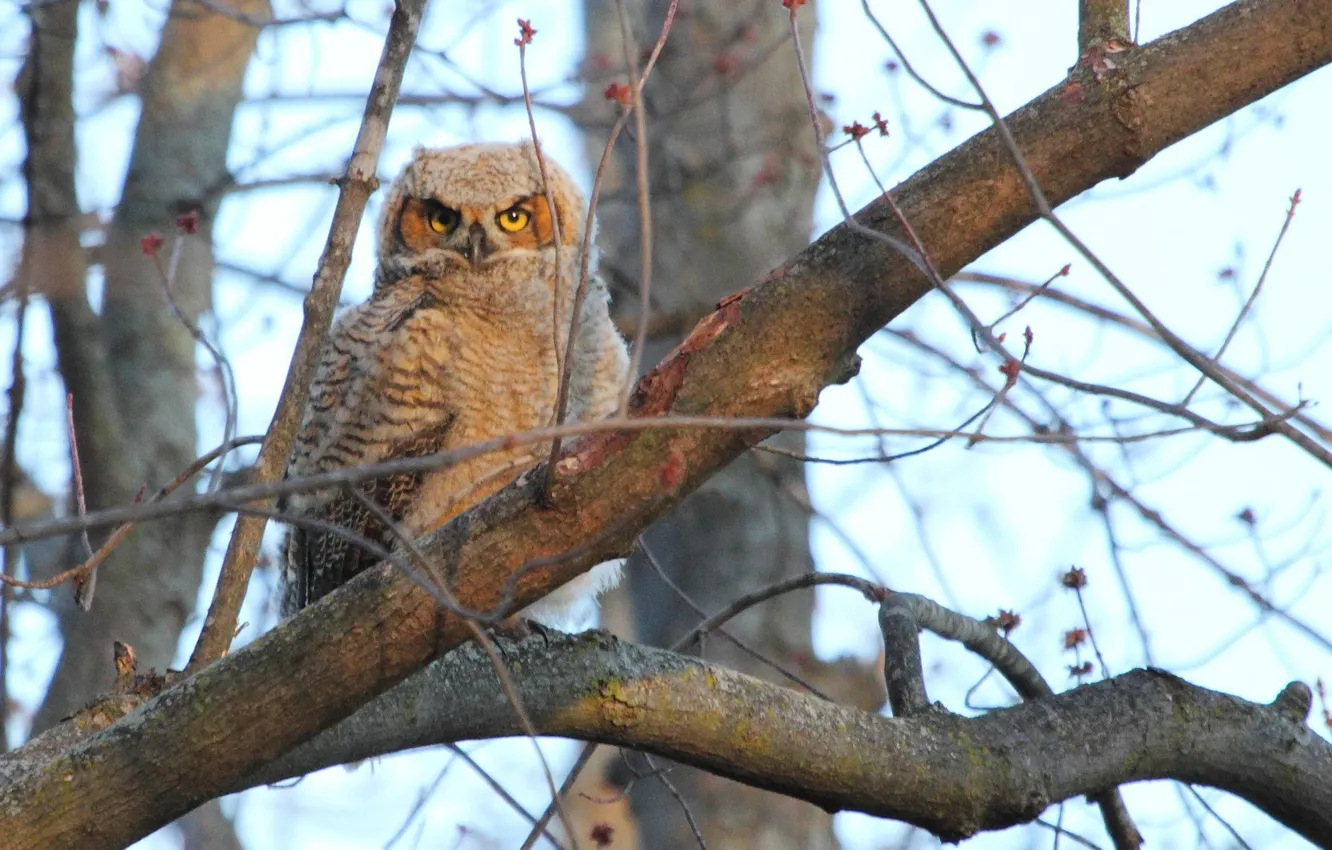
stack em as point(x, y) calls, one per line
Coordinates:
point(733, 173)
point(131, 368)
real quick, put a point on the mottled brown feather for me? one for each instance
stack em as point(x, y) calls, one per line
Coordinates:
point(455, 346)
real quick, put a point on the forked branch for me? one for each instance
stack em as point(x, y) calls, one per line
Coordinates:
point(766, 352)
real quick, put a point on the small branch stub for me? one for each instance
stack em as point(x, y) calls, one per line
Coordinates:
point(1102, 22)
point(903, 672)
point(126, 667)
point(1295, 699)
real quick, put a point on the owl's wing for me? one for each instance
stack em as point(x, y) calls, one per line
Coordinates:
point(602, 367)
point(308, 550)
point(324, 555)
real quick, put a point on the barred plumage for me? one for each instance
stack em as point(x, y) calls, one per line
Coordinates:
point(460, 342)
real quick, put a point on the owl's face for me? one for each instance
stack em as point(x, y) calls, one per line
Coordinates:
point(473, 206)
point(474, 235)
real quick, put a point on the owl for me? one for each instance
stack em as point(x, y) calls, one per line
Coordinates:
point(462, 340)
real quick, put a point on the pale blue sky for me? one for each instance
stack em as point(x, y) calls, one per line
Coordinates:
point(999, 521)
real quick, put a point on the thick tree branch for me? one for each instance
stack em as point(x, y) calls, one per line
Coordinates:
point(953, 776)
point(965, 774)
point(767, 352)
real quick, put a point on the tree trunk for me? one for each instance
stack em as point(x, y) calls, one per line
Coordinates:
point(131, 368)
point(733, 171)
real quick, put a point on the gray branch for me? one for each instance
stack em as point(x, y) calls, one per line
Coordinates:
point(953, 776)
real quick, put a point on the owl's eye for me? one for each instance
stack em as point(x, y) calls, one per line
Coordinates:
point(441, 219)
point(513, 219)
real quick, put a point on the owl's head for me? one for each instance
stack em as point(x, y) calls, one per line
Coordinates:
point(476, 204)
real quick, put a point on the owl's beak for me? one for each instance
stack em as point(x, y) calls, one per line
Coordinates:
point(478, 247)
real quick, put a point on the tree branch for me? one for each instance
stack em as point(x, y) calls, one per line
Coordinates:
point(356, 185)
point(1102, 22)
point(953, 776)
point(765, 352)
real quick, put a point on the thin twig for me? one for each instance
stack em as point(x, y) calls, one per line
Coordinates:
point(80, 499)
point(580, 293)
point(1096, 311)
point(350, 475)
point(562, 355)
point(737, 642)
point(1091, 633)
point(84, 589)
point(1060, 830)
point(1253, 296)
point(85, 571)
point(660, 774)
point(1239, 840)
point(907, 66)
point(167, 277)
point(421, 801)
point(356, 185)
point(871, 591)
point(1102, 507)
point(498, 788)
point(586, 249)
point(645, 259)
point(484, 640)
point(1031, 296)
point(821, 146)
point(539, 827)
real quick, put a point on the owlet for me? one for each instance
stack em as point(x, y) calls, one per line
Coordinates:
point(462, 340)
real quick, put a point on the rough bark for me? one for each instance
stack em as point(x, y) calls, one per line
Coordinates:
point(767, 352)
point(951, 775)
point(733, 170)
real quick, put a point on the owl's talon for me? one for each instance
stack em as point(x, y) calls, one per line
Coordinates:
point(513, 628)
point(518, 627)
point(547, 633)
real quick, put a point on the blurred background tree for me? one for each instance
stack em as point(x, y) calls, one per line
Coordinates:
point(1203, 556)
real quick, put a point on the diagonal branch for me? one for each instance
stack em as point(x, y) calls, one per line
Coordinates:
point(768, 351)
point(356, 185)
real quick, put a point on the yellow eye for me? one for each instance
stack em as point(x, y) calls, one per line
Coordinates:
point(441, 219)
point(513, 219)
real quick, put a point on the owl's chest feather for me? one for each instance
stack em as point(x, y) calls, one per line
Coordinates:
point(495, 377)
